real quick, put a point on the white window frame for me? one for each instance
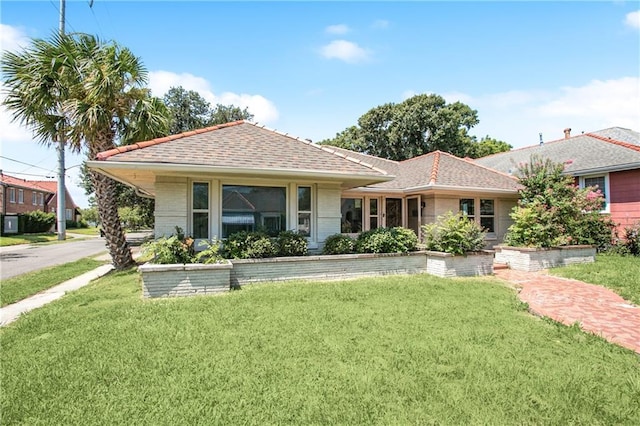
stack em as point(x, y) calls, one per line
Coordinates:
point(493, 216)
point(305, 212)
point(41, 199)
point(34, 198)
point(20, 196)
point(290, 198)
point(12, 195)
point(369, 215)
point(607, 191)
point(68, 214)
point(193, 210)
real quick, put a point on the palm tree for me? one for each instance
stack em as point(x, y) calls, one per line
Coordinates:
point(90, 93)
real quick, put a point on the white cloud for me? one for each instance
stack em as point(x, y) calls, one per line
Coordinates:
point(264, 110)
point(380, 24)
point(345, 51)
point(12, 38)
point(337, 29)
point(518, 116)
point(633, 19)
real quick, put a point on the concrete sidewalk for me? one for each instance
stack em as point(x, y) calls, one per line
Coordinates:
point(10, 313)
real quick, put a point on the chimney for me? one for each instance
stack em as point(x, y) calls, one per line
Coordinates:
point(567, 133)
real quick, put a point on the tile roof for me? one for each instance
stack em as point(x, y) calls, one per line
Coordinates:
point(438, 169)
point(585, 153)
point(244, 145)
point(38, 185)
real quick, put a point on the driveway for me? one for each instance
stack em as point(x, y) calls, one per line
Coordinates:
point(16, 260)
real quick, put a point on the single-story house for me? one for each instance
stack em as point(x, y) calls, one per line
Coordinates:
point(608, 159)
point(242, 176)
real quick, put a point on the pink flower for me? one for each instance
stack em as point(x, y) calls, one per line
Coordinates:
point(568, 162)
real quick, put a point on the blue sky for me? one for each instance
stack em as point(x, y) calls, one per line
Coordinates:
point(312, 68)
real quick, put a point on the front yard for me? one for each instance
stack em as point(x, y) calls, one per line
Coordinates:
point(392, 350)
point(618, 273)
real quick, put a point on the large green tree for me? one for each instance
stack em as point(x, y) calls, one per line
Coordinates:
point(486, 146)
point(416, 126)
point(188, 110)
point(91, 94)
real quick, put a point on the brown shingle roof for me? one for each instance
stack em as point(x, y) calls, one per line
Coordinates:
point(244, 145)
point(583, 153)
point(439, 169)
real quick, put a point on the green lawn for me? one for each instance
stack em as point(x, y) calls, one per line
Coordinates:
point(619, 273)
point(84, 231)
point(27, 239)
point(25, 285)
point(392, 350)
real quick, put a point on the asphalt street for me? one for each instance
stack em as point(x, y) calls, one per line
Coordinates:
point(16, 260)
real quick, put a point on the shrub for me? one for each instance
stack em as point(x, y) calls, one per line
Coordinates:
point(249, 245)
point(453, 233)
point(387, 240)
point(180, 249)
point(290, 243)
point(169, 250)
point(338, 244)
point(36, 221)
point(553, 211)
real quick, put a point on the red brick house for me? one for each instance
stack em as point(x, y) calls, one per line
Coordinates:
point(19, 196)
point(609, 159)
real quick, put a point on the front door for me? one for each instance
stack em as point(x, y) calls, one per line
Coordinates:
point(393, 212)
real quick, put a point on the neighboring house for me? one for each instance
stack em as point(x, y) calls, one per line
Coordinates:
point(608, 159)
point(22, 196)
point(241, 176)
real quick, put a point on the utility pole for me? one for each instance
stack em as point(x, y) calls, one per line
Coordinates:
point(62, 192)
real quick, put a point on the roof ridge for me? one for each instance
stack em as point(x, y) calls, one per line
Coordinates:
point(473, 162)
point(157, 141)
point(435, 167)
point(362, 153)
point(615, 141)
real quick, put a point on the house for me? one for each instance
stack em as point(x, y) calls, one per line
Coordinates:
point(241, 176)
point(22, 196)
point(608, 159)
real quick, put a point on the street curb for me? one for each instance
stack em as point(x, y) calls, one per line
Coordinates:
point(10, 313)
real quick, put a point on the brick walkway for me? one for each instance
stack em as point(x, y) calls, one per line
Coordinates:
point(597, 309)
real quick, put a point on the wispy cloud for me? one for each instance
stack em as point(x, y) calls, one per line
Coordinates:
point(263, 109)
point(346, 51)
point(518, 116)
point(632, 19)
point(337, 29)
point(380, 24)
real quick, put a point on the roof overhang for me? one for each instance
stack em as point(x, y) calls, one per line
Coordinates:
point(607, 169)
point(142, 176)
point(437, 188)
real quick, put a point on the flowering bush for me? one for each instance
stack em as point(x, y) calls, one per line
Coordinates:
point(553, 211)
point(453, 233)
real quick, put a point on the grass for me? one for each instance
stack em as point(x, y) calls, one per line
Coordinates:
point(618, 273)
point(84, 231)
point(27, 239)
point(25, 285)
point(392, 350)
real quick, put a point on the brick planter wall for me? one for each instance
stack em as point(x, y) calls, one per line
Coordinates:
point(469, 265)
point(247, 271)
point(184, 280)
point(536, 259)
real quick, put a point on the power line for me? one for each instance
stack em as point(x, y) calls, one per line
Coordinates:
point(26, 164)
point(26, 174)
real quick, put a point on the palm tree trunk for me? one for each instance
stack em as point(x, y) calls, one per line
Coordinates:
point(105, 189)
